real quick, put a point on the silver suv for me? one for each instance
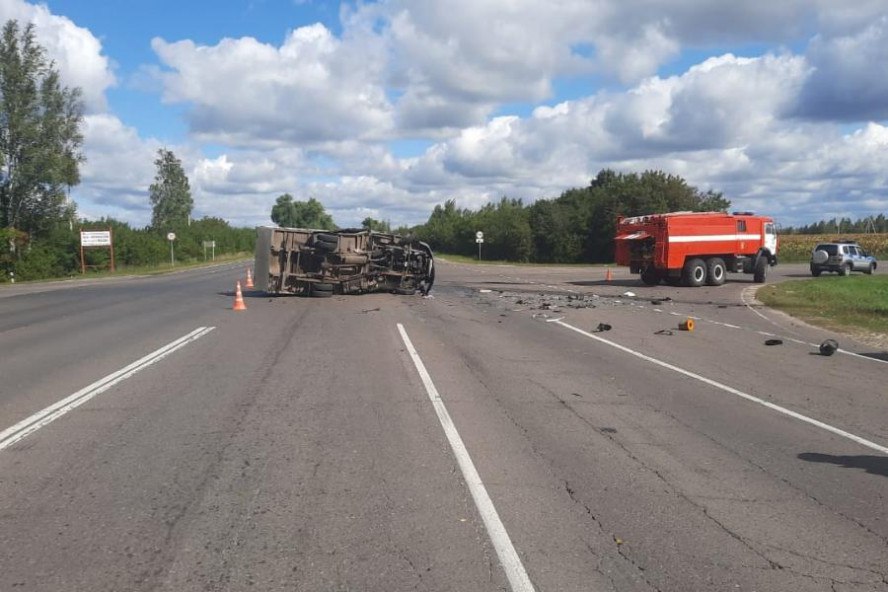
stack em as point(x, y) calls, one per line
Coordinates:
point(841, 257)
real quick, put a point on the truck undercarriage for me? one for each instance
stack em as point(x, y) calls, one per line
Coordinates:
point(321, 263)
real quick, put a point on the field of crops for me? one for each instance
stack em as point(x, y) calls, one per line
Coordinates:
point(798, 247)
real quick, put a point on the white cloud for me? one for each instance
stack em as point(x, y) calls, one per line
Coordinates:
point(314, 88)
point(850, 77)
point(313, 116)
point(76, 52)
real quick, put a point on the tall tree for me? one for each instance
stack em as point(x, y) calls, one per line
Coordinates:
point(289, 213)
point(170, 193)
point(40, 138)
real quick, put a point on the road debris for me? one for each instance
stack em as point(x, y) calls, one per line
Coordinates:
point(773, 342)
point(602, 327)
point(629, 294)
point(829, 347)
point(664, 332)
point(686, 325)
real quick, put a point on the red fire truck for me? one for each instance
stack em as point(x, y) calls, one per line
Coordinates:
point(696, 248)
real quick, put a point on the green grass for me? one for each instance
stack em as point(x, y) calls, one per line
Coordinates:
point(121, 271)
point(835, 302)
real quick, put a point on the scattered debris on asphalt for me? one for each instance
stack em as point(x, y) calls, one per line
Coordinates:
point(829, 347)
point(602, 327)
point(686, 325)
point(773, 342)
point(629, 294)
point(664, 332)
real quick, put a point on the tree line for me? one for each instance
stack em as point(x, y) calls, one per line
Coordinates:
point(40, 159)
point(577, 226)
point(869, 224)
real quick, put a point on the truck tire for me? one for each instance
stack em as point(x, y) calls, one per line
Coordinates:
point(761, 270)
point(715, 271)
point(326, 238)
point(321, 290)
point(650, 276)
point(694, 273)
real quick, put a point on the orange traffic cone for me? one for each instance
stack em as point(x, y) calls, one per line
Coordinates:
point(249, 283)
point(239, 299)
point(607, 276)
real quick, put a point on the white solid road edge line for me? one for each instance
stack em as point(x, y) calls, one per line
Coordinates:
point(508, 557)
point(11, 435)
point(733, 391)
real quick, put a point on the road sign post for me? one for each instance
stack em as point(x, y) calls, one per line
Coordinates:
point(479, 238)
point(171, 237)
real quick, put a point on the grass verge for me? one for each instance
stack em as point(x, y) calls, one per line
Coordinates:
point(121, 271)
point(834, 302)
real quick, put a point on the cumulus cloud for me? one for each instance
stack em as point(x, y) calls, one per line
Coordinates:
point(315, 114)
point(311, 89)
point(75, 50)
point(850, 76)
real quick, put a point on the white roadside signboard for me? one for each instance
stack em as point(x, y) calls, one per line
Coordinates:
point(95, 238)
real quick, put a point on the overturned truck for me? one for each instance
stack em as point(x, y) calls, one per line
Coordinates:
point(321, 263)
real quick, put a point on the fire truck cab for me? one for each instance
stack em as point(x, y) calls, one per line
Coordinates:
point(696, 248)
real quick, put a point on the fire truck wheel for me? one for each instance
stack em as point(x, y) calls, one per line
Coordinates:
point(761, 270)
point(650, 276)
point(715, 271)
point(694, 273)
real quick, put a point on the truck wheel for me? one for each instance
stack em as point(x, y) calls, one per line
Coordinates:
point(650, 276)
point(326, 238)
point(694, 273)
point(321, 290)
point(715, 271)
point(761, 270)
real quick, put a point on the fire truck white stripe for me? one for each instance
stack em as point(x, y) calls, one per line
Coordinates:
point(700, 238)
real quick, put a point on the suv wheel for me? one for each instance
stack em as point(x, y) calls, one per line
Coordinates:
point(815, 271)
point(870, 269)
point(846, 269)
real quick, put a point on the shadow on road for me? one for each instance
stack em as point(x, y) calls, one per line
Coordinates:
point(875, 465)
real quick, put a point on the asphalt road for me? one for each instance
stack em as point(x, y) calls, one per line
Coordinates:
point(495, 436)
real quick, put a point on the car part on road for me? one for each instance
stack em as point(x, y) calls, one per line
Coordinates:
point(686, 325)
point(829, 347)
point(321, 263)
point(602, 327)
point(664, 332)
point(773, 342)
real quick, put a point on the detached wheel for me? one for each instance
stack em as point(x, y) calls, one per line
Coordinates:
point(761, 270)
point(715, 271)
point(846, 269)
point(694, 273)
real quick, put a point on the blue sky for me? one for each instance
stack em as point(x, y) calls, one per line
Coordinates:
point(388, 108)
